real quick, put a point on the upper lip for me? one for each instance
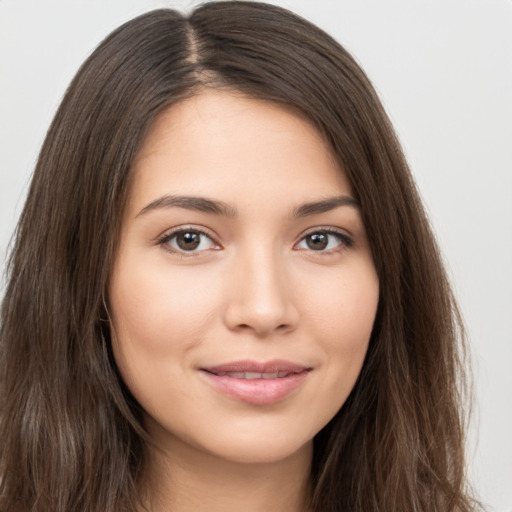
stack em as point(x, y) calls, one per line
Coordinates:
point(273, 366)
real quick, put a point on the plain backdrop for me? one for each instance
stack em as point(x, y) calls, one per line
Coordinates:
point(443, 69)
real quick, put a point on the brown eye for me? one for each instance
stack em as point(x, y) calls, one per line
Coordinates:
point(317, 241)
point(188, 241)
point(326, 241)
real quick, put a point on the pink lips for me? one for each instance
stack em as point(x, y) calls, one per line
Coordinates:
point(257, 383)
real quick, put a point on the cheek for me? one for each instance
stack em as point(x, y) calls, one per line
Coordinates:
point(342, 309)
point(158, 318)
point(151, 306)
point(342, 315)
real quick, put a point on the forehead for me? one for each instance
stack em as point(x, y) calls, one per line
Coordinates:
point(220, 142)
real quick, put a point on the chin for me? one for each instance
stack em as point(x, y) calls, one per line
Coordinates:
point(262, 451)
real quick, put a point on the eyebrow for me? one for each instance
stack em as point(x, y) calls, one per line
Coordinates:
point(326, 205)
point(202, 204)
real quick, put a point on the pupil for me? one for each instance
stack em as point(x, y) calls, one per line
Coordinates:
point(188, 241)
point(317, 241)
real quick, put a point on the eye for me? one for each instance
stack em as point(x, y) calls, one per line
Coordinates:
point(187, 241)
point(324, 240)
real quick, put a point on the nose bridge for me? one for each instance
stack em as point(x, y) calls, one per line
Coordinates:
point(261, 298)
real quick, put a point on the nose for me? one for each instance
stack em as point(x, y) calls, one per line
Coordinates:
point(260, 295)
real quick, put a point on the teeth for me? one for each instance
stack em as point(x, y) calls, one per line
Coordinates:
point(253, 375)
point(236, 375)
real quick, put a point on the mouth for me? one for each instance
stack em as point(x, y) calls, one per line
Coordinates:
point(253, 375)
point(257, 383)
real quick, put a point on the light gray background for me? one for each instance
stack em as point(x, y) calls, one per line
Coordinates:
point(444, 71)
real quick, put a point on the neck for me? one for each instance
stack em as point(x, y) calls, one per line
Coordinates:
point(197, 481)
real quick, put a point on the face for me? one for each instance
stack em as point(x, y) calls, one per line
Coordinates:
point(243, 293)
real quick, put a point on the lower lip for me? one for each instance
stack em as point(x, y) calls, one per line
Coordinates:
point(257, 391)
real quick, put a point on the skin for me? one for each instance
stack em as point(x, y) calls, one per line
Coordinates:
point(253, 289)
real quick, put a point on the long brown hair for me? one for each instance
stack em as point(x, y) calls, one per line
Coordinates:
point(71, 436)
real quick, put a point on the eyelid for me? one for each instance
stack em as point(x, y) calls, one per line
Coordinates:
point(168, 235)
point(346, 240)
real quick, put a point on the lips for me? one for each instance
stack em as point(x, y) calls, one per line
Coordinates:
point(248, 366)
point(256, 383)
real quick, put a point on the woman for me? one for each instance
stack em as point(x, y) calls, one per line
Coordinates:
point(224, 292)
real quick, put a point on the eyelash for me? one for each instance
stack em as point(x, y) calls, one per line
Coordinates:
point(345, 241)
point(164, 241)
